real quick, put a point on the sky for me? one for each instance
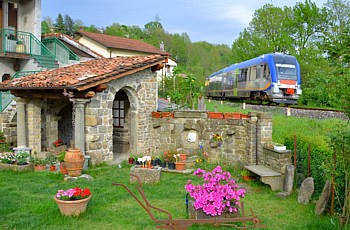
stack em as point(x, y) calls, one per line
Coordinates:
point(213, 21)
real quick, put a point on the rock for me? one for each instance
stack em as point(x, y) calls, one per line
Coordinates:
point(306, 190)
point(322, 202)
point(83, 176)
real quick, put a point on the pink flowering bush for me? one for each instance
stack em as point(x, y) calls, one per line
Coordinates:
point(218, 193)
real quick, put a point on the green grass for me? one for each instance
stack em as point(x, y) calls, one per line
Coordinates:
point(26, 202)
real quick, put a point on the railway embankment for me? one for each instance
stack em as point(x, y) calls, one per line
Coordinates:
point(299, 112)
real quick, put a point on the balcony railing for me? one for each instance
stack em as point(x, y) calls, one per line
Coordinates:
point(13, 41)
point(60, 50)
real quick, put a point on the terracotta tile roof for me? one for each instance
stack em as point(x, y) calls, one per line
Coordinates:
point(84, 75)
point(122, 43)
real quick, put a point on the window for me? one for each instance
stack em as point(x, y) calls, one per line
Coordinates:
point(118, 114)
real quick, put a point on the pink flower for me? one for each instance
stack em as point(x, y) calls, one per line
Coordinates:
point(219, 192)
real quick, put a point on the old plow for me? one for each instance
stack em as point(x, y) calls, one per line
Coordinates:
point(246, 222)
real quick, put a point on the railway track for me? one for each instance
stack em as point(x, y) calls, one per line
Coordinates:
point(298, 111)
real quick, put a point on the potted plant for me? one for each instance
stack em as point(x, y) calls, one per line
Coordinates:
point(73, 201)
point(39, 164)
point(22, 157)
point(169, 158)
point(60, 159)
point(178, 165)
point(218, 194)
point(131, 159)
point(51, 160)
point(162, 162)
point(7, 157)
point(216, 140)
point(247, 176)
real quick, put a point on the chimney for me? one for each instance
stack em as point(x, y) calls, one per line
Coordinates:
point(161, 46)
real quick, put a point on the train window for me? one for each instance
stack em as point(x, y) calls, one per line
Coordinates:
point(266, 71)
point(286, 71)
point(258, 72)
point(243, 75)
point(252, 73)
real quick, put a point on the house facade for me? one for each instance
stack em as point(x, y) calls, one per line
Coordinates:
point(112, 46)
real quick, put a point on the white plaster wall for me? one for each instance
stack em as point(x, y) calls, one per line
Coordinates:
point(29, 17)
point(97, 47)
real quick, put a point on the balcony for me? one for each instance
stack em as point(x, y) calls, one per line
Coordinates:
point(18, 44)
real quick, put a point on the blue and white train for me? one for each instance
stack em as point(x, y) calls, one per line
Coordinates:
point(273, 77)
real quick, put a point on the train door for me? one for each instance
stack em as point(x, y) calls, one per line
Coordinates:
point(235, 82)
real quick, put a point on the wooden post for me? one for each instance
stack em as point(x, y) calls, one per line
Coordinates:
point(333, 178)
point(308, 162)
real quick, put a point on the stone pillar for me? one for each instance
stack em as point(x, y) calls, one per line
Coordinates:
point(79, 122)
point(34, 124)
point(289, 179)
point(21, 122)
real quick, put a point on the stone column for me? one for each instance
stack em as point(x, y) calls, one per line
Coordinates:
point(79, 122)
point(21, 123)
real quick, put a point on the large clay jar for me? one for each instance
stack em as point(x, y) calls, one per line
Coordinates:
point(74, 161)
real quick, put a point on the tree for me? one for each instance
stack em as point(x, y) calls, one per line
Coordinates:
point(336, 33)
point(45, 28)
point(59, 25)
point(305, 25)
point(69, 24)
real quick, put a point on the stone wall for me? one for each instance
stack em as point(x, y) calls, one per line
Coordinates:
point(141, 89)
point(276, 160)
point(242, 137)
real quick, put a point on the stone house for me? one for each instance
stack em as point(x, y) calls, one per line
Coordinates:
point(104, 105)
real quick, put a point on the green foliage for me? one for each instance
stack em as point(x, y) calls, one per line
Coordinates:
point(59, 25)
point(45, 29)
point(340, 141)
point(22, 157)
point(5, 147)
point(61, 156)
point(181, 88)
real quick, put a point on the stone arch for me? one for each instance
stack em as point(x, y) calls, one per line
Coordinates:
point(125, 138)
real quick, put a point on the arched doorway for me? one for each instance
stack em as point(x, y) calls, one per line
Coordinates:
point(121, 125)
point(65, 130)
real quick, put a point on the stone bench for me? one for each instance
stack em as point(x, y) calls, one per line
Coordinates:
point(267, 176)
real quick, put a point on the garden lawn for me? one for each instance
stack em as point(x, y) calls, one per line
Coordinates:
point(26, 202)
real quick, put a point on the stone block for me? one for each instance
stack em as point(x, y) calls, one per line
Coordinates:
point(146, 175)
point(90, 120)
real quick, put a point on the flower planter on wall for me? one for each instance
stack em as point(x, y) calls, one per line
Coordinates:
point(162, 114)
point(215, 115)
point(232, 115)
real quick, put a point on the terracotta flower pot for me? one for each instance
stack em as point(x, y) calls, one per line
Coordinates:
point(180, 166)
point(72, 207)
point(52, 168)
point(183, 157)
point(63, 168)
point(39, 167)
